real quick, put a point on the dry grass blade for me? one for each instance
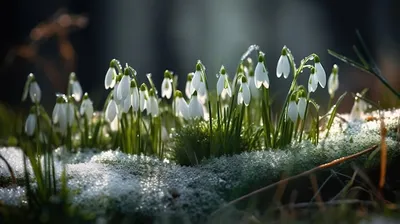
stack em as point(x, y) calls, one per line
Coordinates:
point(305, 173)
point(314, 185)
point(383, 155)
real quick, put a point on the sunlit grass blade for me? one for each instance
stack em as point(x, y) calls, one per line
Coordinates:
point(333, 113)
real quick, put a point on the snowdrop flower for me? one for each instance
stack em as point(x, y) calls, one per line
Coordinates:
point(301, 106)
point(33, 88)
point(244, 92)
point(261, 73)
point(223, 87)
point(197, 77)
point(126, 104)
point(134, 96)
point(358, 109)
point(59, 115)
point(312, 81)
point(124, 86)
point(188, 88)
point(30, 123)
point(166, 85)
point(143, 96)
point(182, 108)
point(333, 81)
point(255, 92)
point(111, 74)
point(152, 105)
point(76, 89)
point(320, 72)
point(86, 108)
point(283, 66)
point(195, 108)
point(202, 92)
point(293, 112)
point(111, 110)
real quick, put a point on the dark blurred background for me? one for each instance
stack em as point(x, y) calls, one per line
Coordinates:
point(156, 35)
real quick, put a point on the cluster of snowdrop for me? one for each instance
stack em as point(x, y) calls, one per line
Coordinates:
point(248, 89)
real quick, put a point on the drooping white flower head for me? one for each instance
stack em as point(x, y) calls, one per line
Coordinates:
point(182, 108)
point(76, 89)
point(333, 81)
point(301, 106)
point(152, 105)
point(202, 92)
point(319, 72)
point(261, 73)
point(358, 109)
point(293, 112)
point(166, 85)
point(143, 97)
point(34, 92)
point(86, 108)
point(188, 88)
point(255, 92)
point(59, 115)
point(111, 110)
point(197, 77)
point(134, 96)
point(127, 104)
point(223, 86)
point(30, 123)
point(124, 87)
point(111, 75)
point(195, 108)
point(32, 87)
point(283, 66)
point(244, 95)
point(312, 81)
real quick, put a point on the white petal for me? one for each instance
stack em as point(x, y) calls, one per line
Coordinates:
point(142, 100)
point(63, 120)
point(188, 89)
point(154, 106)
point(76, 91)
point(70, 113)
point(124, 88)
point(312, 83)
point(283, 67)
point(166, 88)
point(261, 76)
point(292, 111)
point(195, 108)
point(30, 124)
point(246, 94)
point(333, 84)
point(255, 93)
point(56, 112)
point(202, 93)
point(196, 80)
point(183, 108)
point(109, 80)
point(114, 124)
point(220, 84)
point(301, 107)
point(240, 98)
point(34, 92)
point(135, 99)
point(111, 111)
point(127, 104)
point(320, 74)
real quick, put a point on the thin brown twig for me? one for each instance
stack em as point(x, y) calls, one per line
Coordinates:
point(328, 203)
point(305, 173)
